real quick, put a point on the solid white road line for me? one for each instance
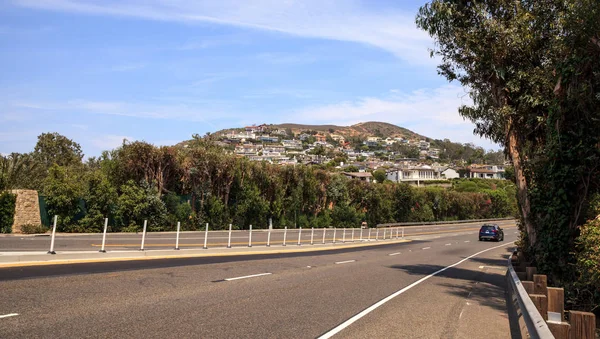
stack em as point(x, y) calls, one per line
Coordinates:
point(395, 253)
point(344, 262)
point(247, 276)
point(425, 248)
point(373, 307)
point(9, 315)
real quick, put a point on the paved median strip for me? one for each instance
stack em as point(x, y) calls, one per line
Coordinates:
point(247, 276)
point(9, 315)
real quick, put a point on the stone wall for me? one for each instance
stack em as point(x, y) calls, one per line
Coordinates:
point(27, 209)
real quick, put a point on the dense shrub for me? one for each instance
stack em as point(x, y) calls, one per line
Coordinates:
point(7, 211)
point(585, 294)
point(34, 229)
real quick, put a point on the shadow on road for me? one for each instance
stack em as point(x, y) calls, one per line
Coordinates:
point(484, 285)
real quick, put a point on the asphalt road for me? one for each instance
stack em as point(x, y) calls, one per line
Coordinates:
point(303, 295)
point(131, 241)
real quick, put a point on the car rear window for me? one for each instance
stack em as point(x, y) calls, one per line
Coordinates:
point(487, 227)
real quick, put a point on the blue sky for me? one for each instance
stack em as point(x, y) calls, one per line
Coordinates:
point(99, 71)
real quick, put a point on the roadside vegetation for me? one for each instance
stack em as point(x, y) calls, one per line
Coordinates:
point(200, 184)
point(532, 72)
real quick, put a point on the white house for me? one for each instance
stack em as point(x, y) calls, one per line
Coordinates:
point(413, 175)
point(450, 173)
point(485, 171)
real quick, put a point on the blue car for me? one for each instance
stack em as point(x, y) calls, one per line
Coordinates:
point(491, 232)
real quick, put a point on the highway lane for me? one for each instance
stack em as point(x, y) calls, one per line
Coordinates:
point(132, 241)
point(302, 296)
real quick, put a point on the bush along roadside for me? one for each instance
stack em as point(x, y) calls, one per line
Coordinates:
point(7, 211)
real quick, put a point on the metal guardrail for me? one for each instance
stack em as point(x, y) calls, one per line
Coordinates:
point(536, 326)
point(440, 222)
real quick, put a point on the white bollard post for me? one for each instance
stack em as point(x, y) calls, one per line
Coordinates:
point(229, 238)
point(361, 231)
point(177, 236)
point(369, 233)
point(299, 236)
point(269, 236)
point(53, 234)
point(144, 235)
point(402, 232)
point(397, 232)
point(312, 235)
point(284, 234)
point(324, 232)
point(250, 237)
point(352, 234)
point(334, 230)
point(377, 235)
point(102, 250)
point(344, 236)
point(206, 237)
point(384, 233)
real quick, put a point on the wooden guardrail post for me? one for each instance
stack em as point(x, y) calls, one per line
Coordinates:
point(528, 286)
point(540, 282)
point(560, 330)
point(556, 301)
point(583, 325)
point(541, 303)
point(530, 272)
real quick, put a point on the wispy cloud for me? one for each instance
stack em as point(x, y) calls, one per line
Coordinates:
point(354, 21)
point(286, 59)
point(109, 141)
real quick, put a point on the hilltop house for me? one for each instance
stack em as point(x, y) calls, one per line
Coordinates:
point(413, 175)
point(362, 176)
point(256, 129)
point(485, 171)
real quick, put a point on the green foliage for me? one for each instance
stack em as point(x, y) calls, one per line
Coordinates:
point(101, 199)
point(586, 287)
point(7, 211)
point(138, 203)
point(63, 190)
point(55, 149)
point(34, 229)
point(379, 176)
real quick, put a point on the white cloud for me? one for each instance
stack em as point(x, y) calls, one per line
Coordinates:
point(429, 112)
point(349, 20)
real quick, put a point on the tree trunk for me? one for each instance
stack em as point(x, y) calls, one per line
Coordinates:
point(520, 180)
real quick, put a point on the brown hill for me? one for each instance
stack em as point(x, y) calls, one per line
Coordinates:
point(363, 129)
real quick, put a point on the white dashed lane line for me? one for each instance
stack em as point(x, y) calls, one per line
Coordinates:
point(247, 276)
point(344, 262)
point(9, 315)
point(467, 240)
point(394, 253)
point(426, 248)
point(448, 244)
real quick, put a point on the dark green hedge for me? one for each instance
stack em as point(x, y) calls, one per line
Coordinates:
point(7, 211)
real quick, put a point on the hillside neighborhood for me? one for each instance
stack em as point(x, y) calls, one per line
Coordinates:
point(405, 157)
